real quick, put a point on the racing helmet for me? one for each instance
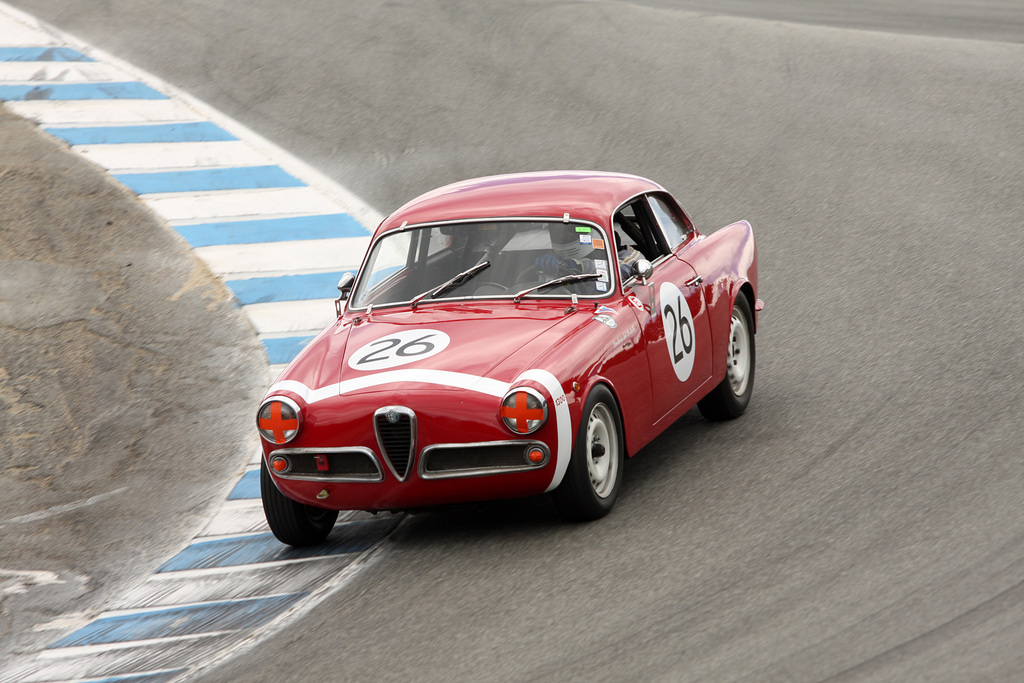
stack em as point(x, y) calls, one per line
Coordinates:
point(566, 243)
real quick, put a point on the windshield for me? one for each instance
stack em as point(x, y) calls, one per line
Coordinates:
point(415, 264)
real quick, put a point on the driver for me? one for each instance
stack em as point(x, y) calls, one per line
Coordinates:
point(628, 256)
point(569, 256)
point(572, 256)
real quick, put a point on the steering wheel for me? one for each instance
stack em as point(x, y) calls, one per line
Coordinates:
point(532, 274)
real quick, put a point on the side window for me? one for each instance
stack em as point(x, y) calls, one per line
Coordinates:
point(670, 220)
point(632, 226)
point(622, 239)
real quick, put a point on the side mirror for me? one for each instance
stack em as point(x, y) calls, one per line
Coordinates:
point(345, 287)
point(345, 284)
point(643, 269)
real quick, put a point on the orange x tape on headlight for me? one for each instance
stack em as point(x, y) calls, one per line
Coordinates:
point(524, 410)
point(278, 420)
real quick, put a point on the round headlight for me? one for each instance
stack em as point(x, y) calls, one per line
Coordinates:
point(524, 410)
point(278, 420)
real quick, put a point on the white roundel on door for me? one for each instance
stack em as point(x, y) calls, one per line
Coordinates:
point(398, 349)
point(679, 336)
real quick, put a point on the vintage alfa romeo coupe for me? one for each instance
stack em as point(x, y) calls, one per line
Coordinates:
point(509, 336)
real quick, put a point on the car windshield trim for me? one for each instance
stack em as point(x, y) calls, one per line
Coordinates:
point(524, 254)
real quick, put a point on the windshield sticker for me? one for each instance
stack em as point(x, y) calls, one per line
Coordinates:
point(582, 228)
point(607, 320)
point(397, 349)
point(601, 286)
point(679, 328)
point(598, 243)
point(600, 264)
point(585, 239)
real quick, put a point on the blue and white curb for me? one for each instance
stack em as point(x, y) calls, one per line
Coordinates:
point(280, 235)
point(276, 230)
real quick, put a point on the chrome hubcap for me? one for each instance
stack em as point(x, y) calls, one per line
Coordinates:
point(739, 354)
point(602, 449)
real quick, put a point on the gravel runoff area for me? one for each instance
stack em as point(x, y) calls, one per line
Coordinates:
point(128, 385)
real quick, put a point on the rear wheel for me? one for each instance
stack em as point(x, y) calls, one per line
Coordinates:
point(293, 523)
point(591, 482)
point(730, 398)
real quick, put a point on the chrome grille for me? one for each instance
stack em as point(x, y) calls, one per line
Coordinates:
point(396, 435)
point(443, 459)
point(477, 459)
point(338, 464)
point(354, 464)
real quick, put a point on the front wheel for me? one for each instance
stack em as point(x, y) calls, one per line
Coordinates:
point(591, 482)
point(730, 398)
point(292, 522)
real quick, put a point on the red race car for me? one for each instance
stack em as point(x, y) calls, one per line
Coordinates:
point(510, 336)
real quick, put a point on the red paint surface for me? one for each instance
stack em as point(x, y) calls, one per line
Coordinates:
point(500, 340)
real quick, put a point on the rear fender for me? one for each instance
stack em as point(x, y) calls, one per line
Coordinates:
point(727, 260)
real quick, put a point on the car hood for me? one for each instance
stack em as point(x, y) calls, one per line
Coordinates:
point(472, 341)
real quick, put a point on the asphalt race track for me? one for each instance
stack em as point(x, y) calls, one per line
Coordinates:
point(862, 520)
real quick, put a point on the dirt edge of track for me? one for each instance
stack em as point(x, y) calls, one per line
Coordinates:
point(128, 379)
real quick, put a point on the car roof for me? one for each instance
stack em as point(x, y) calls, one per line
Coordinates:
point(584, 195)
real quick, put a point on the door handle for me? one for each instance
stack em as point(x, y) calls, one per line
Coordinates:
point(695, 282)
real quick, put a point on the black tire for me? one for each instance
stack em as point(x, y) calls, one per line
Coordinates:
point(729, 399)
point(293, 523)
point(592, 480)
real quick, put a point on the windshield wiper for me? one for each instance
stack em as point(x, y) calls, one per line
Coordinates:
point(564, 280)
point(457, 280)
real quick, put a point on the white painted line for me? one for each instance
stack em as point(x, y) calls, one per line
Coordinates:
point(107, 664)
point(214, 571)
point(291, 316)
point(241, 504)
point(267, 203)
point(285, 257)
point(341, 579)
point(103, 112)
point(23, 33)
point(139, 675)
point(78, 650)
point(237, 522)
point(290, 335)
point(311, 332)
point(292, 579)
point(166, 156)
point(257, 457)
point(205, 603)
point(257, 527)
point(61, 509)
point(65, 622)
point(236, 517)
point(241, 535)
point(13, 581)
